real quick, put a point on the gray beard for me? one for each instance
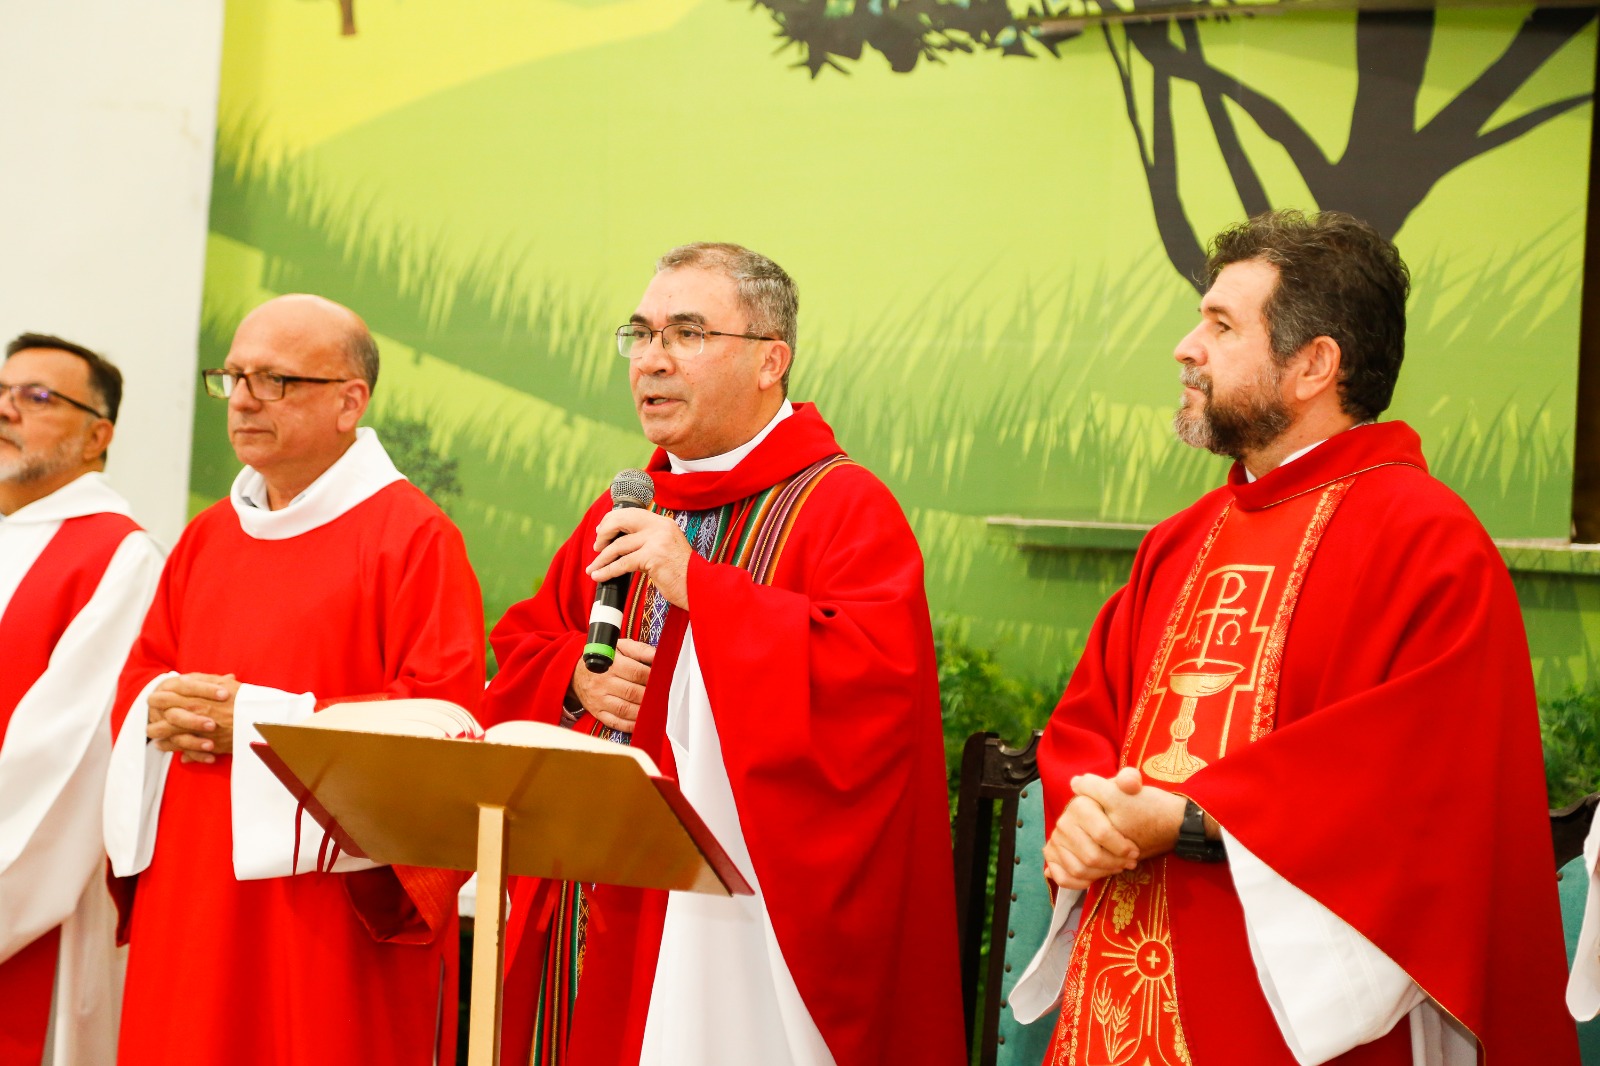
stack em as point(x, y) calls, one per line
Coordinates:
point(1237, 426)
point(23, 469)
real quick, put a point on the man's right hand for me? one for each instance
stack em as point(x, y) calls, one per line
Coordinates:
point(1085, 847)
point(191, 715)
point(614, 696)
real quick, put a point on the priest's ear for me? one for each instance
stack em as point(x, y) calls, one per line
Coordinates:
point(1314, 371)
point(776, 358)
point(97, 442)
point(354, 395)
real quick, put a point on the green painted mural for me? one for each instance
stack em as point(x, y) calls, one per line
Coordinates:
point(993, 238)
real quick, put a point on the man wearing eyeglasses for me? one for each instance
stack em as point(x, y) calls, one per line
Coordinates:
point(76, 574)
point(776, 657)
point(325, 577)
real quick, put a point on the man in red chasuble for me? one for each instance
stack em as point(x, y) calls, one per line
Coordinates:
point(1296, 779)
point(775, 658)
point(324, 577)
point(76, 574)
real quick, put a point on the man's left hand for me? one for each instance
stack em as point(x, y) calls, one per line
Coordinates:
point(645, 543)
point(1147, 815)
point(192, 715)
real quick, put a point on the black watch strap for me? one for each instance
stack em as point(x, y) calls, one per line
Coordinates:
point(1192, 842)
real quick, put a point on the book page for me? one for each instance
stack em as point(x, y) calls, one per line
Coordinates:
point(543, 735)
point(410, 718)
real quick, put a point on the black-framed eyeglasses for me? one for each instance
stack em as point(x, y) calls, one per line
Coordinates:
point(683, 339)
point(263, 385)
point(32, 397)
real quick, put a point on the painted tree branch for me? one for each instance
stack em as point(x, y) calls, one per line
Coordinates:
point(1252, 194)
point(1507, 132)
point(1271, 117)
point(1178, 240)
point(1387, 168)
point(1392, 56)
point(1543, 33)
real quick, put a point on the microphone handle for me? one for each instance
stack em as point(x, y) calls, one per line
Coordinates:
point(605, 617)
point(605, 623)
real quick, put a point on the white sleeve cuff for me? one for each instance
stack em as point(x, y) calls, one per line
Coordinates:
point(1583, 986)
point(135, 781)
point(1039, 987)
point(1329, 987)
point(265, 813)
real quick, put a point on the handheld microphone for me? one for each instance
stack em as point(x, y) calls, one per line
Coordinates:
point(630, 488)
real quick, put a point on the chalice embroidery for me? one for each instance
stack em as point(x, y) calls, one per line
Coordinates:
point(1207, 678)
point(1206, 674)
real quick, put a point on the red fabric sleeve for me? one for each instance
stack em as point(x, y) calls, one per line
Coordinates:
point(828, 716)
point(539, 641)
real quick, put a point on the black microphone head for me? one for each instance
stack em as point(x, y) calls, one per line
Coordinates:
point(632, 488)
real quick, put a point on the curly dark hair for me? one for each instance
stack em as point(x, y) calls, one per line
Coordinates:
point(1337, 277)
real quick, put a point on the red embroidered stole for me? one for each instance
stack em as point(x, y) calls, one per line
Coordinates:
point(56, 587)
point(1212, 687)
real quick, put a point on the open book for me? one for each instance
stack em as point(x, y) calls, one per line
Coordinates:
point(448, 721)
point(401, 781)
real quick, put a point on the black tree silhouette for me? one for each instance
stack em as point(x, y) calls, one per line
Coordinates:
point(1389, 164)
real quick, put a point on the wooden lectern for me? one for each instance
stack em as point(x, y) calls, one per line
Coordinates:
point(499, 809)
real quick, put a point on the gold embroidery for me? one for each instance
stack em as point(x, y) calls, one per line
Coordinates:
point(1160, 661)
point(1112, 1019)
point(1179, 1044)
point(1266, 709)
point(1222, 634)
point(1124, 893)
point(1133, 981)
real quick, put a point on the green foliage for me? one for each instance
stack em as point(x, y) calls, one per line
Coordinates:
point(976, 695)
point(1570, 727)
point(409, 441)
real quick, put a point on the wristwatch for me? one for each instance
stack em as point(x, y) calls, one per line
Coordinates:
point(1192, 842)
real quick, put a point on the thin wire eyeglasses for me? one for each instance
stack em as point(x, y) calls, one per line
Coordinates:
point(685, 340)
point(31, 398)
point(264, 385)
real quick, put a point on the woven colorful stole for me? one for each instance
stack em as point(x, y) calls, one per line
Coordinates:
point(1212, 688)
point(749, 534)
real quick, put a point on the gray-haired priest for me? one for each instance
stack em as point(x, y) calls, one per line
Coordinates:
point(777, 659)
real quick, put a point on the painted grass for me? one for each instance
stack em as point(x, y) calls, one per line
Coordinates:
point(1057, 405)
point(487, 316)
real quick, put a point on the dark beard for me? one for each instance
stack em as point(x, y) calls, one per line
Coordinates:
point(1238, 426)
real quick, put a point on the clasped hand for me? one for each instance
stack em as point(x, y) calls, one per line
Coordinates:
point(1108, 826)
point(192, 715)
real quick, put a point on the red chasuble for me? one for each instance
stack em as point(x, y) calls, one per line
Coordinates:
point(316, 968)
point(824, 688)
point(1377, 746)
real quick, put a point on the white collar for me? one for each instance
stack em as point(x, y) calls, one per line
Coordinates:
point(729, 460)
point(86, 494)
point(354, 477)
point(1292, 456)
